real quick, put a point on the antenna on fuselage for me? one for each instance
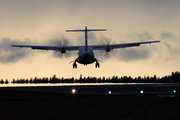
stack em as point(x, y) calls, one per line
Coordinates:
point(86, 30)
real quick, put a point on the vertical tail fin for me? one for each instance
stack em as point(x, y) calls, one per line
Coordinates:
point(86, 30)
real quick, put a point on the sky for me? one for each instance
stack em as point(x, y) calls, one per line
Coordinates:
point(44, 22)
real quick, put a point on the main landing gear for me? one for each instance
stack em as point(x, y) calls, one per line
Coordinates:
point(74, 65)
point(97, 65)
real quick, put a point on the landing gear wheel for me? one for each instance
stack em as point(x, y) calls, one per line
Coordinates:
point(97, 65)
point(74, 65)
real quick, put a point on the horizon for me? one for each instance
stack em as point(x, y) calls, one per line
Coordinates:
point(81, 77)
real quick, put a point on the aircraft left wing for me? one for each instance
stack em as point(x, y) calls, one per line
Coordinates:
point(116, 46)
point(55, 48)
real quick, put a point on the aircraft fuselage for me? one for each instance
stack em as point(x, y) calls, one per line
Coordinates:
point(86, 56)
point(86, 59)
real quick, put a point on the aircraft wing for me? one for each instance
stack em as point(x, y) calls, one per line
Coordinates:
point(116, 46)
point(55, 48)
point(95, 47)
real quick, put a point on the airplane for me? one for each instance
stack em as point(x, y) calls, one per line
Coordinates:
point(85, 54)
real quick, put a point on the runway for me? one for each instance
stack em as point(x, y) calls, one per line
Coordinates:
point(90, 102)
point(118, 92)
point(98, 88)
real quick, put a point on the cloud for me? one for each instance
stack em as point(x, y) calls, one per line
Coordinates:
point(168, 48)
point(134, 54)
point(142, 52)
point(11, 55)
point(171, 45)
point(165, 35)
point(58, 39)
point(139, 36)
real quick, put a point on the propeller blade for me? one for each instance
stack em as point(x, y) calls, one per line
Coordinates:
point(65, 42)
point(62, 42)
point(107, 55)
point(67, 55)
point(103, 53)
point(58, 43)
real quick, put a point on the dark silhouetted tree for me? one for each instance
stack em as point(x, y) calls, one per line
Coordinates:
point(2, 81)
point(6, 81)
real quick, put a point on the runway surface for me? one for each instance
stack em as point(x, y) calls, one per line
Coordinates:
point(146, 92)
point(90, 102)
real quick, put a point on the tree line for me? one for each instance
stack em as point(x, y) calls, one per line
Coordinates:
point(173, 78)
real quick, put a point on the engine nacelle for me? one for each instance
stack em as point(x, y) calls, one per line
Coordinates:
point(63, 51)
point(108, 50)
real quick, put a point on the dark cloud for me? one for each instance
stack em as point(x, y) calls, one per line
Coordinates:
point(9, 54)
point(129, 54)
point(139, 36)
point(170, 40)
point(143, 52)
point(137, 53)
point(58, 39)
point(134, 54)
point(165, 35)
point(171, 45)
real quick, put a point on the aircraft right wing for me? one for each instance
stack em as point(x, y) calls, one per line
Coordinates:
point(116, 46)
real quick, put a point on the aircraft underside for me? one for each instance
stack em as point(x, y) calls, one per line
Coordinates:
point(86, 59)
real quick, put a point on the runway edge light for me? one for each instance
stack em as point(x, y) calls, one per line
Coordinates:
point(174, 91)
point(141, 91)
point(73, 91)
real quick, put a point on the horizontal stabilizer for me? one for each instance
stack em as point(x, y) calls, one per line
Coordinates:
point(85, 30)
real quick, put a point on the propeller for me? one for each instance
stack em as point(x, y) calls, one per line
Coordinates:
point(107, 53)
point(63, 53)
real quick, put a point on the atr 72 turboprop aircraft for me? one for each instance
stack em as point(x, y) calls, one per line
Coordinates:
point(86, 55)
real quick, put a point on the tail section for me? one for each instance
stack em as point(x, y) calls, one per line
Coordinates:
point(86, 30)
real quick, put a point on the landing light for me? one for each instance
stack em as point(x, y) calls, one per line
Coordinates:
point(109, 92)
point(141, 91)
point(73, 91)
